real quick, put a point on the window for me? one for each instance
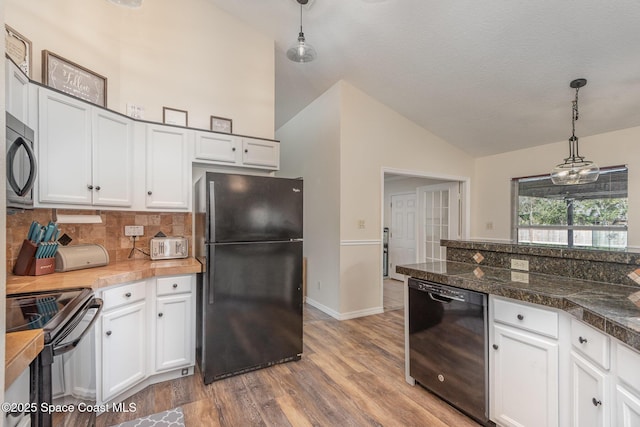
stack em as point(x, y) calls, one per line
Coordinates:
point(576, 216)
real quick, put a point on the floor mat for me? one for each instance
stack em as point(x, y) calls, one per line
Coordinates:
point(170, 418)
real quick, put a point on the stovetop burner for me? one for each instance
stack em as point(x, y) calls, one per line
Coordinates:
point(46, 310)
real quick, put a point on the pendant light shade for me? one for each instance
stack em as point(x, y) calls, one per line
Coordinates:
point(301, 51)
point(575, 169)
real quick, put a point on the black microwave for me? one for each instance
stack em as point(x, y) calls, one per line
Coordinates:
point(22, 166)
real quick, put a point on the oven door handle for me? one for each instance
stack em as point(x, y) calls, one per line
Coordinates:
point(68, 346)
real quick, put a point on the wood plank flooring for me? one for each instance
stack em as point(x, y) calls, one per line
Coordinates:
point(351, 374)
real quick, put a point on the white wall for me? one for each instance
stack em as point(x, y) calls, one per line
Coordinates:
point(191, 57)
point(340, 144)
point(491, 197)
point(310, 149)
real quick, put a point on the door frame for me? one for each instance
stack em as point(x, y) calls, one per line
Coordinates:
point(464, 212)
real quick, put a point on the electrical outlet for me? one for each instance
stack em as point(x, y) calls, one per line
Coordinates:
point(133, 230)
point(361, 223)
point(519, 276)
point(520, 264)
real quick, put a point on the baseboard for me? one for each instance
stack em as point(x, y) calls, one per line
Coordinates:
point(344, 316)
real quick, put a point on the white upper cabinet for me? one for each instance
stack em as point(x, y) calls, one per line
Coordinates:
point(17, 92)
point(231, 150)
point(85, 153)
point(168, 168)
point(260, 152)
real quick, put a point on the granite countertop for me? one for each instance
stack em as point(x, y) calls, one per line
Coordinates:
point(23, 347)
point(100, 277)
point(606, 306)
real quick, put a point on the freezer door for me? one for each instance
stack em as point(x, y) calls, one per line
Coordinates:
point(246, 208)
point(253, 307)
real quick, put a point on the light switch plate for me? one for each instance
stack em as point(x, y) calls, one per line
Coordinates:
point(520, 264)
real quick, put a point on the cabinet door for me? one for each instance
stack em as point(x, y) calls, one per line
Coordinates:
point(589, 397)
point(174, 332)
point(123, 348)
point(260, 152)
point(217, 148)
point(628, 407)
point(17, 92)
point(168, 168)
point(524, 378)
point(64, 149)
point(112, 159)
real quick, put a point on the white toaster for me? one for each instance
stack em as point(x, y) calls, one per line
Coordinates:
point(169, 247)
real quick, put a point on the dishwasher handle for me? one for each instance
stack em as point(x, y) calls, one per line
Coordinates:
point(442, 299)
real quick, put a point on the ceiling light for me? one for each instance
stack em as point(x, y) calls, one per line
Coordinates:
point(128, 3)
point(301, 51)
point(575, 169)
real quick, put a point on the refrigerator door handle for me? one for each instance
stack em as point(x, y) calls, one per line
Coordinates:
point(210, 273)
point(212, 212)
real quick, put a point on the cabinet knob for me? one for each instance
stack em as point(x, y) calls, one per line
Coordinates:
point(246, 151)
point(109, 334)
point(149, 192)
point(97, 188)
point(582, 340)
point(90, 187)
point(233, 149)
point(495, 346)
point(175, 285)
point(128, 295)
point(596, 402)
point(159, 314)
point(520, 317)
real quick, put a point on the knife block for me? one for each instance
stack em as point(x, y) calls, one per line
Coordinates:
point(28, 265)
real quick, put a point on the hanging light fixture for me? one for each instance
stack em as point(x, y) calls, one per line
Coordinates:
point(575, 169)
point(301, 51)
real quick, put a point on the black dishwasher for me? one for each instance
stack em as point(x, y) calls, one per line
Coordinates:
point(447, 345)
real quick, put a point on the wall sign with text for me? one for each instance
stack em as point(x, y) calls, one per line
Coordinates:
point(73, 79)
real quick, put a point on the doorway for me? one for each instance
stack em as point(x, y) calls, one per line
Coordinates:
point(419, 210)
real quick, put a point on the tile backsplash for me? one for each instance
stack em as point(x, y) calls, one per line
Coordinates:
point(109, 234)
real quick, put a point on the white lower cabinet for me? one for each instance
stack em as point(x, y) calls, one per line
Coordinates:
point(146, 335)
point(628, 407)
point(524, 380)
point(590, 401)
point(174, 323)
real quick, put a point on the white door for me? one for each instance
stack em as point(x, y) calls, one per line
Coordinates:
point(439, 214)
point(589, 394)
point(173, 338)
point(402, 236)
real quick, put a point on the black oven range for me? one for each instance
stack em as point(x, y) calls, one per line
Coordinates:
point(66, 316)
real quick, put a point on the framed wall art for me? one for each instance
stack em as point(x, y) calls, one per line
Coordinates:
point(171, 116)
point(18, 49)
point(74, 79)
point(221, 124)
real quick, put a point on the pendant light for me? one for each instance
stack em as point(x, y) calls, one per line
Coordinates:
point(301, 51)
point(575, 169)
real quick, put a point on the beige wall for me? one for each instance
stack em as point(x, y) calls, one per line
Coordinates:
point(343, 141)
point(491, 195)
point(310, 149)
point(196, 58)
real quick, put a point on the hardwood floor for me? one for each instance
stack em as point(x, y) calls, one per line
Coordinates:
point(351, 374)
point(393, 294)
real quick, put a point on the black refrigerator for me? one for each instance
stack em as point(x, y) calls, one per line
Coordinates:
point(248, 235)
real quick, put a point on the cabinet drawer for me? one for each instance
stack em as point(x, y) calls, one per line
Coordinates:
point(628, 363)
point(173, 285)
point(538, 320)
point(590, 342)
point(122, 295)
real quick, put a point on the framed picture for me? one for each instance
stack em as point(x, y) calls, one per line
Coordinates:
point(171, 116)
point(18, 49)
point(74, 79)
point(220, 124)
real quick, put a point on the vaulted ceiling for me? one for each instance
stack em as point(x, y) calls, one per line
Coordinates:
point(487, 76)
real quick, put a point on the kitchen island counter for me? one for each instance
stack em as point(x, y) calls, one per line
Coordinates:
point(113, 274)
point(606, 306)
